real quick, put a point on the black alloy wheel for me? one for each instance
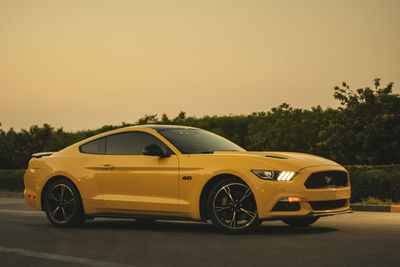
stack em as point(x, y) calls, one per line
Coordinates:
point(232, 207)
point(300, 221)
point(63, 204)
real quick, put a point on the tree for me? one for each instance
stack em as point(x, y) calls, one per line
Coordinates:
point(365, 129)
point(368, 127)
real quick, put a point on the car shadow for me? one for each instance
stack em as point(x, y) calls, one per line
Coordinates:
point(160, 226)
point(196, 227)
point(292, 230)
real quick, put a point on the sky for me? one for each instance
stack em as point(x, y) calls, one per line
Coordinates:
point(84, 64)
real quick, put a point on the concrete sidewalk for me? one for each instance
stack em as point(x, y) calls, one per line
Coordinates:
point(382, 208)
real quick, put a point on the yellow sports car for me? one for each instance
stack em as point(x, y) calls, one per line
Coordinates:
point(175, 172)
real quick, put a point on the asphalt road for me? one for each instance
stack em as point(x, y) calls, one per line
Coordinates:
point(360, 238)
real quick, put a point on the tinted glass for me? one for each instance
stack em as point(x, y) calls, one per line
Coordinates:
point(197, 141)
point(94, 147)
point(131, 143)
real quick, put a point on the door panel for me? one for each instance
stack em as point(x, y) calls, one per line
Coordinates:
point(138, 183)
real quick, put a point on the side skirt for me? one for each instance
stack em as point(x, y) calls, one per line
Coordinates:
point(138, 216)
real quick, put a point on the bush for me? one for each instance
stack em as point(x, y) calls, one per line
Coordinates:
point(12, 180)
point(381, 182)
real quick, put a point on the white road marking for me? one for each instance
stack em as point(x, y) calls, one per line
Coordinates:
point(58, 257)
point(22, 212)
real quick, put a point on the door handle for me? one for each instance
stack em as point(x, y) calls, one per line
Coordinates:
point(106, 166)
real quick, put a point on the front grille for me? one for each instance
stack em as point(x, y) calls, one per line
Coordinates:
point(327, 179)
point(328, 205)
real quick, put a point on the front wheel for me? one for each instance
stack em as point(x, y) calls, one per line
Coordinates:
point(300, 221)
point(63, 204)
point(232, 207)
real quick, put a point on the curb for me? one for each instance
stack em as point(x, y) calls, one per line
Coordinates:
point(11, 195)
point(378, 208)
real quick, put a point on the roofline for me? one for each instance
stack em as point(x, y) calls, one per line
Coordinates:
point(158, 127)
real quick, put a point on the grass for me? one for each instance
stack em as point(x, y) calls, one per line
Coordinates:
point(377, 201)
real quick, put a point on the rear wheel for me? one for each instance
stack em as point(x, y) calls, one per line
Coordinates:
point(300, 221)
point(232, 207)
point(63, 204)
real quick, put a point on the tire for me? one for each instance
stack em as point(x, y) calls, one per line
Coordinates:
point(300, 221)
point(63, 204)
point(232, 208)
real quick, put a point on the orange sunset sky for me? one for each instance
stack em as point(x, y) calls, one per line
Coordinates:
point(83, 64)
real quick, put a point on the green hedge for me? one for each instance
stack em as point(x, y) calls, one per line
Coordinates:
point(381, 182)
point(12, 180)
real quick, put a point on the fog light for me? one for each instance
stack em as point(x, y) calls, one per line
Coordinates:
point(294, 199)
point(291, 199)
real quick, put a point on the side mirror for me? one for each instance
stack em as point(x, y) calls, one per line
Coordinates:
point(154, 150)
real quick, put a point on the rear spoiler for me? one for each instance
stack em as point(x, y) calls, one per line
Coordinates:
point(42, 154)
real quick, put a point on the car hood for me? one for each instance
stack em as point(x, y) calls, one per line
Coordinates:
point(292, 160)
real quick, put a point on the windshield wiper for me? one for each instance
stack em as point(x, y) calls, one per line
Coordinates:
point(205, 152)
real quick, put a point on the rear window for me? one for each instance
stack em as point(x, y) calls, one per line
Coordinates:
point(131, 143)
point(97, 146)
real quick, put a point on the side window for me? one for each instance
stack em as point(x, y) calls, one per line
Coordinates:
point(131, 143)
point(97, 146)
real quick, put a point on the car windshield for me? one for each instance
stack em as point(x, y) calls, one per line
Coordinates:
point(197, 141)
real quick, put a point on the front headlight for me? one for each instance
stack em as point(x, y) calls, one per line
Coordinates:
point(274, 175)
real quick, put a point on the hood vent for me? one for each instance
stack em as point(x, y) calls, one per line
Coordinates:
point(274, 157)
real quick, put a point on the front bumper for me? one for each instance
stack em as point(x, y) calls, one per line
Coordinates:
point(268, 193)
point(311, 214)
